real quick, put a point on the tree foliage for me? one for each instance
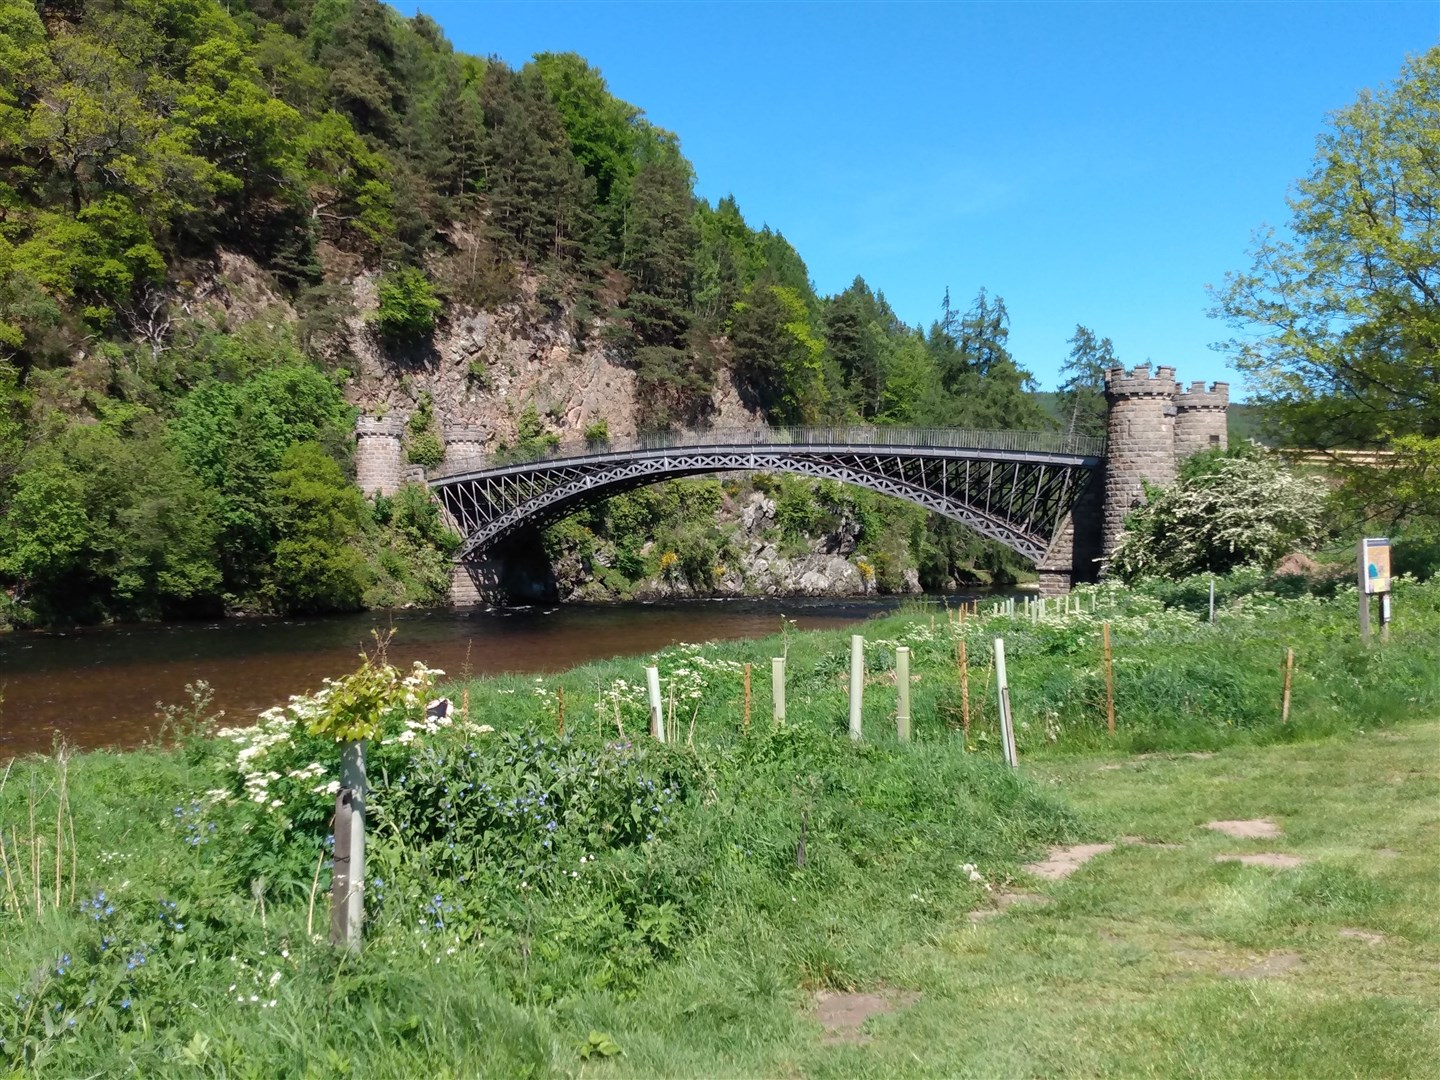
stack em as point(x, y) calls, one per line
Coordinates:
point(1081, 401)
point(1340, 313)
point(144, 145)
point(407, 309)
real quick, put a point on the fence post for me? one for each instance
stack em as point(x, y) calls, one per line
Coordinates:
point(964, 661)
point(1364, 598)
point(347, 881)
point(657, 716)
point(777, 687)
point(1007, 723)
point(1285, 697)
point(902, 686)
point(747, 697)
point(1109, 680)
point(857, 683)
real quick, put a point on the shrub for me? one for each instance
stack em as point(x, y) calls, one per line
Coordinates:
point(1226, 510)
point(423, 445)
point(597, 435)
point(408, 306)
point(426, 450)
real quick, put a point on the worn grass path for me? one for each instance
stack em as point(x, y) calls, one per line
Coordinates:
point(1159, 960)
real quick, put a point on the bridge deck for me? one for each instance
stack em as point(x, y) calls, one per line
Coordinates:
point(1031, 446)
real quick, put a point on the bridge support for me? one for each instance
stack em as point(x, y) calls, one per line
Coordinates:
point(1073, 556)
point(379, 455)
point(515, 571)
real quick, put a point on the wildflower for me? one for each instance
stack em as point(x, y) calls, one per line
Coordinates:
point(125, 1003)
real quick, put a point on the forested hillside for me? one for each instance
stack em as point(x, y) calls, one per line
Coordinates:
point(213, 217)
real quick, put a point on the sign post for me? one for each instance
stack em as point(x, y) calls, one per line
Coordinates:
point(1374, 580)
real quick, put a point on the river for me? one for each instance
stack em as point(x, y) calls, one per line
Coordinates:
point(103, 687)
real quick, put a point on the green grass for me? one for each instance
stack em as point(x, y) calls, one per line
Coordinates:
point(671, 914)
point(1130, 970)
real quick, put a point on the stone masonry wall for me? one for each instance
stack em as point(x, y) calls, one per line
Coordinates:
point(380, 466)
point(1141, 440)
point(464, 449)
point(1200, 419)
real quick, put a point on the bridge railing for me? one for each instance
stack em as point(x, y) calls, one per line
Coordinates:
point(1043, 442)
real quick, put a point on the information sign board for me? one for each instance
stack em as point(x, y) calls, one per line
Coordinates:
point(1375, 565)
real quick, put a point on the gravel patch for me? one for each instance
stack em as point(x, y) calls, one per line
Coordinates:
point(1064, 861)
point(1253, 829)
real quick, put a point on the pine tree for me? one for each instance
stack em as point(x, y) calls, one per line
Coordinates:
point(1082, 395)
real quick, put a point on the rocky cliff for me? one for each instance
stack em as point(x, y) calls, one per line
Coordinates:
point(483, 369)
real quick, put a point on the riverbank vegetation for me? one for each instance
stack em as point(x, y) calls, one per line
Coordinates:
point(209, 212)
point(551, 890)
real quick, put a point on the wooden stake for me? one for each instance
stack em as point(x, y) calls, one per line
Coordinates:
point(747, 697)
point(1364, 598)
point(347, 888)
point(1002, 692)
point(1109, 680)
point(314, 888)
point(964, 662)
point(902, 687)
point(857, 684)
point(560, 710)
point(777, 688)
point(1285, 697)
point(657, 715)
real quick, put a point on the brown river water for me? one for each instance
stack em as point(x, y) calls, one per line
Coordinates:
point(102, 687)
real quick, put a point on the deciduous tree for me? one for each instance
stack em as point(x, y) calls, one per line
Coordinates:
point(1339, 314)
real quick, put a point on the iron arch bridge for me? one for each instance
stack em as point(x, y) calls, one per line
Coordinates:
point(1015, 487)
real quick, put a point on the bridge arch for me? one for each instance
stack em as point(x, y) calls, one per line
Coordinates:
point(1013, 487)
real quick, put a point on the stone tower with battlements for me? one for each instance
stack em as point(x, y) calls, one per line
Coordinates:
point(1153, 426)
point(1201, 421)
point(1140, 446)
point(380, 466)
point(464, 449)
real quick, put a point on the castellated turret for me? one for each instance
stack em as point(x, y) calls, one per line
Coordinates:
point(1200, 419)
point(380, 466)
point(1141, 444)
point(464, 449)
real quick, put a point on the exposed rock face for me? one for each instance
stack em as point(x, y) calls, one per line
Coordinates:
point(483, 368)
point(828, 568)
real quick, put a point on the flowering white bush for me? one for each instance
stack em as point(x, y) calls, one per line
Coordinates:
point(1238, 510)
point(270, 759)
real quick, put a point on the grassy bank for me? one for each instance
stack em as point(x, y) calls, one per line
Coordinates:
point(541, 903)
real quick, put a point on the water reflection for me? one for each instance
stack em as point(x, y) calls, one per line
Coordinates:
point(102, 687)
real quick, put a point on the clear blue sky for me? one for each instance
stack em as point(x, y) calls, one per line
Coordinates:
point(1098, 163)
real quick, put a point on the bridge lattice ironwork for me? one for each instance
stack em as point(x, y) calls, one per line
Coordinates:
point(1015, 487)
